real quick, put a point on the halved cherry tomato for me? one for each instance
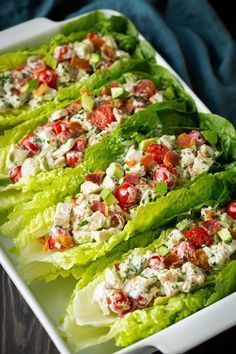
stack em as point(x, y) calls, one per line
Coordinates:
point(155, 262)
point(102, 116)
point(197, 137)
point(166, 174)
point(61, 239)
point(28, 142)
point(127, 195)
point(158, 151)
point(118, 301)
point(15, 174)
point(147, 161)
point(48, 77)
point(73, 158)
point(95, 39)
point(231, 210)
point(145, 88)
point(184, 141)
point(199, 237)
point(171, 158)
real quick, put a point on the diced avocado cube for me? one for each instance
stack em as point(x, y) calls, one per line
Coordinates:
point(87, 102)
point(163, 250)
point(108, 197)
point(94, 59)
point(105, 193)
point(169, 93)
point(225, 235)
point(30, 86)
point(117, 92)
point(116, 170)
point(145, 143)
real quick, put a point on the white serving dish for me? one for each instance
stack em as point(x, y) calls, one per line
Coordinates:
point(49, 303)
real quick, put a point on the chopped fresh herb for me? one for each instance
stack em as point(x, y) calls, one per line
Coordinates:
point(83, 223)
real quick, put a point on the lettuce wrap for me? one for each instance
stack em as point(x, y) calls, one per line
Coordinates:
point(160, 76)
point(131, 296)
point(15, 109)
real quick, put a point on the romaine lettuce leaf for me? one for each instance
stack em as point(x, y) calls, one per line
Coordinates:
point(207, 190)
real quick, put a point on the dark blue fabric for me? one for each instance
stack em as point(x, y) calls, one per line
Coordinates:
point(187, 33)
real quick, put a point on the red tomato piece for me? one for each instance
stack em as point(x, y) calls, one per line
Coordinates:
point(158, 151)
point(197, 137)
point(127, 195)
point(166, 174)
point(155, 262)
point(118, 301)
point(102, 116)
point(48, 77)
point(199, 237)
point(171, 158)
point(73, 158)
point(147, 161)
point(145, 88)
point(28, 142)
point(15, 174)
point(131, 178)
point(96, 177)
point(185, 250)
point(231, 210)
point(95, 39)
point(184, 141)
point(211, 226)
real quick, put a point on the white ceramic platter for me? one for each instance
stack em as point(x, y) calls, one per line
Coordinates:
point(48, 301)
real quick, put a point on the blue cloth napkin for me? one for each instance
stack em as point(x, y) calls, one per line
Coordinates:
point(187, 33)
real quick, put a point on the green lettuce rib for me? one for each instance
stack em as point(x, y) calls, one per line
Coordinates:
point(206, 190)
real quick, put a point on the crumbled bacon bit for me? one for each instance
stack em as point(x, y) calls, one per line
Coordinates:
point(200, 259)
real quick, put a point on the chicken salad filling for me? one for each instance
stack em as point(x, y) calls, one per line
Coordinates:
point(62, 140)
point(36, 82)
point(108, 200)
point(192, 251)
